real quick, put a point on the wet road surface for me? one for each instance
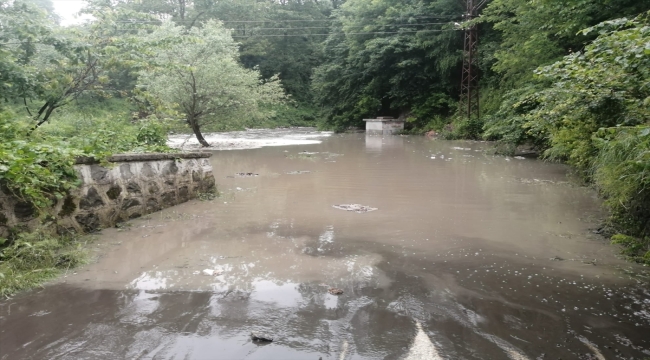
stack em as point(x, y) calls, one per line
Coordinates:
point(468, 256)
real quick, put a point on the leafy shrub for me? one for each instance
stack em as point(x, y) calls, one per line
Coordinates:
point(33, 169)
point(463, 129)
point(152, 132)
point(39, 168)
point(429, 113)
point(511, 125)
point(621, 172)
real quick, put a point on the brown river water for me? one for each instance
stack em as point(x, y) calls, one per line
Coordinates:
point(468, 256)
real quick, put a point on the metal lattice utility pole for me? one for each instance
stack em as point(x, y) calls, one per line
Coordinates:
point(469, 87)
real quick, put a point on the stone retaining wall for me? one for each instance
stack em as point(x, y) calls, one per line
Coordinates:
point(131, 186)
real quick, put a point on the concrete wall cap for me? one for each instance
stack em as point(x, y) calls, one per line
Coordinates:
point(85, 160)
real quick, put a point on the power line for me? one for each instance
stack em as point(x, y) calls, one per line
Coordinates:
point(327, 27)
point(319, 27)
point(342, 33)
point(291, 20)
point(302, 35)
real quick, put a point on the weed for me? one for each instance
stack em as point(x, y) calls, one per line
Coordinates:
point(35, 258)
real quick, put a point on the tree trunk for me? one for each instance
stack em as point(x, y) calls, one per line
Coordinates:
point(181, 9)
point(197, 132)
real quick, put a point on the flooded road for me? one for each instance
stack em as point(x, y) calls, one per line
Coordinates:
point(468, 256)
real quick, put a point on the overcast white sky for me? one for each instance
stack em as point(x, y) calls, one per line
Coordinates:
point(68, 9)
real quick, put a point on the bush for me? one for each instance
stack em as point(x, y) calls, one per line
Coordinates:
point(470, 129)
point(36, 170)
point(511, 125)
point(621, 172)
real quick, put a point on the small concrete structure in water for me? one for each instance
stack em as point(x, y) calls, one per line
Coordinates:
point(384, 125)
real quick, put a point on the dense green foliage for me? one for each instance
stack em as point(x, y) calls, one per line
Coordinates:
point(397, 58)
point(197, 69)
point(591, 109)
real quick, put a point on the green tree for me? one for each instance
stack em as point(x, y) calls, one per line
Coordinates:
point(198, 70)
point(390, 57)
point(23, 27)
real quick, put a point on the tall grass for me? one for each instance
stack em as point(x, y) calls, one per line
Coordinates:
point(621, 172)
point(34, 258)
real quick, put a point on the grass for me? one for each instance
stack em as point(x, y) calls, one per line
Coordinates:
point(32, 259)
point(621, 172)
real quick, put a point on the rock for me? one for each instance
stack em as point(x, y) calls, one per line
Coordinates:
point(114, 192)
point(183, 194)
point(261, 337)
point(133, 188)
point(196, 176)
point(147, 170)
point(68, 207)
point(152, 205)
point(125, 171)
point(208, 184)
point(99, 174)
point(91, 200)
point(153, 188)
point(335, 291)
point(170, 169)
point(129, 203)
point(24, 210)
point(88, 222)
point(169, 198)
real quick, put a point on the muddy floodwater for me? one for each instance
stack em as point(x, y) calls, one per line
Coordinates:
point(464, 256)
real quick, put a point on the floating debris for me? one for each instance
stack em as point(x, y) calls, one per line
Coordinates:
point(557, 258)
point(355, 207)
point(335, 291)
point(520, 158)
point(246, 174)
point(298, 172)
point(210, 272)
point(261, 337)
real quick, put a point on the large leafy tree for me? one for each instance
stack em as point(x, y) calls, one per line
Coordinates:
point(46, 67)
point(389, 57)
point(278, 37)
point(198, 69)
point(23, 28)
point(525, 34)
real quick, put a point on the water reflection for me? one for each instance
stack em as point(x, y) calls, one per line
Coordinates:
point(377, 143)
